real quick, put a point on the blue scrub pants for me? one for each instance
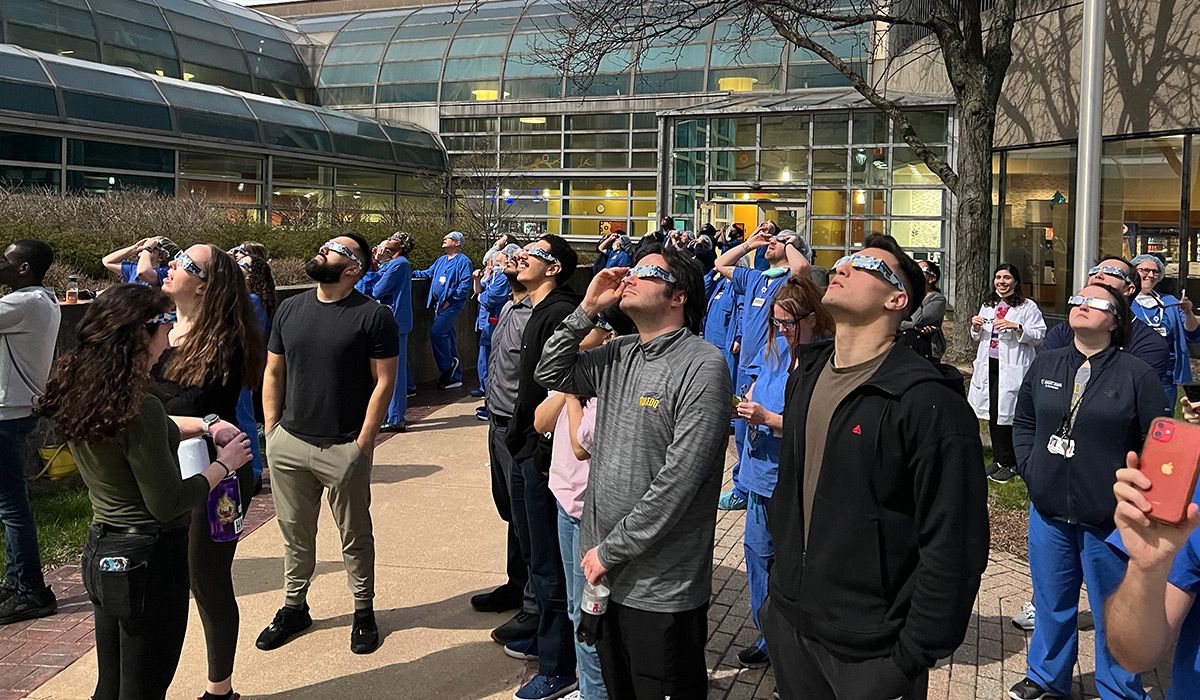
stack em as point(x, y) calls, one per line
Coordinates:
point(740, 387)
point(1062, 557)
point(248, 424)
point(444, 337)
point(760, 552)
point(399, 403)
point(485, 349)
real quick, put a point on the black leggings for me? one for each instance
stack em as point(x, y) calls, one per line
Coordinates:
point(1003, 452)
point(141, 614)
point(211, 567)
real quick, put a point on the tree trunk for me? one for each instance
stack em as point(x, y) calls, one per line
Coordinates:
point(973, 220)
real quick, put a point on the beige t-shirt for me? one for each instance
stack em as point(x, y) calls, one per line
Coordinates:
point(833, 385)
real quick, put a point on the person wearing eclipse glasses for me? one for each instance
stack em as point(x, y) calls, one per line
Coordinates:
point(1080, 411)
point(785, 253)
point(144, 262)
point(449, 288)
point(324, 397)
point(879, 513)
point(1173, 318)
point(657, 458)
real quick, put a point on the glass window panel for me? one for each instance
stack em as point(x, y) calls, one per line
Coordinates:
point(459, 68)
point(354, 54)
point(869, 127)
point(53, 42)
point(409, 72)
point(868, 166)
point(644, 208)
point(22, 68)
point(363, 36)
point(424, 31)
point(300, 198)
point(828, 203)
point(645, 139)
point(530, 88)
point(260, 46)
point(908, 169)
point(192, 7)
point(145, 62)
point(215, 76)
point(815, 75)
point(868, 203)
point(524, 66)
point(829, 165)
point(348, 144)
point(299, 171)
point(691, 133)
point(410, 92)
point(597, 122)
point(470, 143)
point(597, 160)
point(929, 125)
point(744, 79)
point(33, 148)
point(51, 17)
point(184, 25)
point(361, 95)
point(645, 120)
point(646, 189)
point(917, 234)
point(377, 19)
point(735, 132)
point(741, 53)
point(101, 154)
point(23, 97)
point(15, 177)
point(131, 10)
point(345, 124)
point(643, 161)
point(216, 126)
point(285, 114)
point(279, 71)
point(784, 166)
point(531, 161)
point(410, 50)
point(785, 130)
point(531, 123)
point(826, 258)
point(689, 168)
point(104, 82)
point(828, 232)
point(597, 141)
point(831, 128)
point(365, 179)
point(254, 26)
point(219, 165)
point(538, 142)
point(241, 193)
point(861, 228)
point(595, 188)
point(597, 207)
point(1140, 188)
point(103, 183)
point(367, 201)
point(479, 45)
point(116, 111)
point(295, 137)
point(673, 57)
point(464, 125)
point(1035, 223)
point(598, 86)
point(211, 54)
point(134, 36)
point(683, 202)
point(669, 81)
point(472, 91)
point(726, 166)
point(918, 203)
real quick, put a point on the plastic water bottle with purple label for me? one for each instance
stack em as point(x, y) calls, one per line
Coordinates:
point(225, 510)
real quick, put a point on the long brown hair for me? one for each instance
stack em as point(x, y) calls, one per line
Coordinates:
point(224, 327)
point(97, 387)
point(262, 282)
point(799, 296)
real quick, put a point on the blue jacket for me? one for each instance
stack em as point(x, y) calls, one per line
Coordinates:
point(450, 281)
point(495, 291)
point(720, 321)
point(760, 451)
point(1166, 319)
point(391, 285)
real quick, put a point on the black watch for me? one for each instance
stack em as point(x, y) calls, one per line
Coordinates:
point(209, 421)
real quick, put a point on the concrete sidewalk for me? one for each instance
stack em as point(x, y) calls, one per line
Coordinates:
point(439, 540)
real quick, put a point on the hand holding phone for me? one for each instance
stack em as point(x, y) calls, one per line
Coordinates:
point(1170, 458)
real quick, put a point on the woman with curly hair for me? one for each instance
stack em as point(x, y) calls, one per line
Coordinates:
point(135, 567)
point(391, 285)
point(216, 351)
point(250, 249)
point(261, 284)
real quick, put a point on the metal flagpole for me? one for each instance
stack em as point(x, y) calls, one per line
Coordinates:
point(1087, 184)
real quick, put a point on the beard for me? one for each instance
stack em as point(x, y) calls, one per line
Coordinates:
point(323, 272)
point(513, 282)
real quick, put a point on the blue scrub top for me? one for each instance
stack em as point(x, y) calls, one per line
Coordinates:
point(1166, 319)
point(760, 452)
point(391, 285)
point(494, 292)
point(1185, 575)
point(450, 280)
point(757, 292)
point(618, 258)
point(719, 321)
point(130, 275)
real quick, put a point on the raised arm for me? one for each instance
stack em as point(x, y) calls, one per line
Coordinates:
point(797, 263)
point(728, 260)
point(563, 367)
point(112, 261)
point(545, 416)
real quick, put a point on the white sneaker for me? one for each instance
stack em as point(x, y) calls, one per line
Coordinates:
point(1024, 620)
point(575, 695)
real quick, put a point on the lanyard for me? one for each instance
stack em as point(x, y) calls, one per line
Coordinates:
point(1068, 423)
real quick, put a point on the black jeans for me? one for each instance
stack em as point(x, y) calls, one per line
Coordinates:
point(141, 614)
point(211, 572)
point(808, 671)
point(1003, 452)
point(535, 511)
point(650, 655)
point(501, 463)
point(23, 570)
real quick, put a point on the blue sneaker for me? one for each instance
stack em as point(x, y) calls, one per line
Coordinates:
point(522, 649)
point(482, 413)
point(542, 687)
point(731, 500)
point(477, 393)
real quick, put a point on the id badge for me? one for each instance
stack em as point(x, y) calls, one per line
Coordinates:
point(758, 301)
point(718, 296)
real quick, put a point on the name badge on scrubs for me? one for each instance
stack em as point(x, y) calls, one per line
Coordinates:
point(758, 301)
point(442, 279)
point(718, 295)
point(1062, 446)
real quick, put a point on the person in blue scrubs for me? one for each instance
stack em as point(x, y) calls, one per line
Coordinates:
point(144, 262)
point(756, 288)
point(797, 319)
point(261, 285)
point(720, 321)
point(613, 251)
point(391, 285)
point(1171, 317)
point(449, 288)
point(493, 290)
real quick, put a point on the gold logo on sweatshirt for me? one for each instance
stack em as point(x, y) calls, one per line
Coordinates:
point(649, 402)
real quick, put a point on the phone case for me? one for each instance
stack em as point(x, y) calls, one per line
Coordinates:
point(1170, 458)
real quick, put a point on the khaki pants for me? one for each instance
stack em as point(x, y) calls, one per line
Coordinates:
point(300, 472)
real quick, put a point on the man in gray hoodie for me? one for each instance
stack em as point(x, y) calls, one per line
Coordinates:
point(658, 453)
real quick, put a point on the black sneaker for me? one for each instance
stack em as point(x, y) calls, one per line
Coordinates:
point(401, 427)
point(27, 605)
point(991, 469)
point(364, 636)
point(753, 657)
point(523, 625)
point(1003, 475)
point(499, 600)
point(288, 623)
point(1028, 690)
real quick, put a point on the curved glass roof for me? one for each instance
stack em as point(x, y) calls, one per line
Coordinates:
point(448, 54)
point(60, 88)
point(205, 41)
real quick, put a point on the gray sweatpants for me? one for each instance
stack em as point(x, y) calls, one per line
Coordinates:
point(300, 472)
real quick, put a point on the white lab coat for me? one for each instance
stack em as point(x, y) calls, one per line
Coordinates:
point(1016, 354)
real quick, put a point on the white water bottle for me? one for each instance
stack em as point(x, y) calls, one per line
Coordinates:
point(592, 606)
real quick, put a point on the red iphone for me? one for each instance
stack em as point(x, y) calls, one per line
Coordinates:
point(1170, 459)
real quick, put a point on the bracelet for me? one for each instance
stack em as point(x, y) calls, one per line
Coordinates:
point(224, 466)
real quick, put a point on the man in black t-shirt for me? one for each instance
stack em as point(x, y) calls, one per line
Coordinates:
point(331, 365)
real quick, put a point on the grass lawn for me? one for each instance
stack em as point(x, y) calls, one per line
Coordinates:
point(63, 512)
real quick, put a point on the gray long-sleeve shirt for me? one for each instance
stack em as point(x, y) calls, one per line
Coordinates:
point(658, 452)
point(504, 362)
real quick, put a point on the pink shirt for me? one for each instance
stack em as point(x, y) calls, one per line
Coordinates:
point(568, 475)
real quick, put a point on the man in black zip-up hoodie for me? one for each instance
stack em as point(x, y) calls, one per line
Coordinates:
point(880, 514)
point(544, 269)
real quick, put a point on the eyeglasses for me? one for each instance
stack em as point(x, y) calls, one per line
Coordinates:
point(1094, 303)
point(1111, 270)
point(644, 272)
point(781, 323)
point(238, 252)
point(1147, 271)
point(543, 255)
point(341, 250)
point(183, 262)
point(871, 263)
